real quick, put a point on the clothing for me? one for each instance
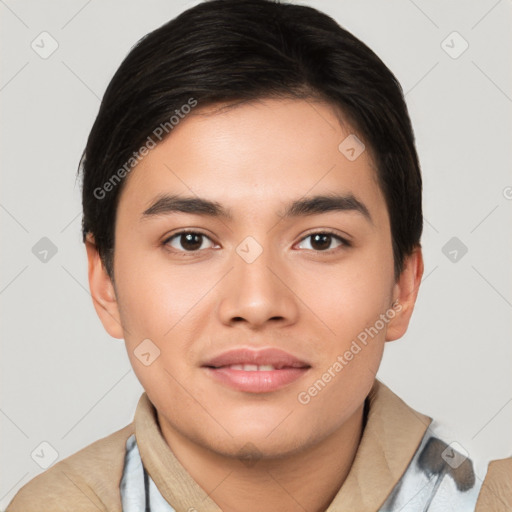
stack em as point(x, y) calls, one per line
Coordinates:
point(396, 442)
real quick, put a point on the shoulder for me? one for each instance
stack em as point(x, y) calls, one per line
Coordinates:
point(496, 491)
point(86, 481)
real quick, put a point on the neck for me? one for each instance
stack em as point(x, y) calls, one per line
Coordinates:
point(306, 480)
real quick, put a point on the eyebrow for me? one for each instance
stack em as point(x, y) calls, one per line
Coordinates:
point(314, 205)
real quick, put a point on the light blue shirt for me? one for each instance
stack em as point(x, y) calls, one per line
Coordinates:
point(438, 479)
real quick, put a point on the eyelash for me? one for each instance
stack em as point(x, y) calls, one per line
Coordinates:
point(343, 241)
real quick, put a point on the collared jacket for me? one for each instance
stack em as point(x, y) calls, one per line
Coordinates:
point(402, 464)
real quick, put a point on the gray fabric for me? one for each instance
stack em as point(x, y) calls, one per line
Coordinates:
point(133, 492)
point(438, 479)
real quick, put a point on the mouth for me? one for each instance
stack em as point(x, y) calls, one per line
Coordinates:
point(248, 367)
point(253, 371)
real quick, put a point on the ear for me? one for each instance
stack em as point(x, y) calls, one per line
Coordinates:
point(405, 292)
point(102, 291)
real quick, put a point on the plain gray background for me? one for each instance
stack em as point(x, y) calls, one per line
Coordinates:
point(67, 383)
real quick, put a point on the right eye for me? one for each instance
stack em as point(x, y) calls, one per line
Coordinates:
point(190, 241)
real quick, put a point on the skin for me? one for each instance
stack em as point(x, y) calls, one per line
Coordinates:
point(254, 159)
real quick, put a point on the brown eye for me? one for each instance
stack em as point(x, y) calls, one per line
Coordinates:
point(322, 241)
point(187, 241)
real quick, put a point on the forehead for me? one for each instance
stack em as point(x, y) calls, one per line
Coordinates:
point(254, 154)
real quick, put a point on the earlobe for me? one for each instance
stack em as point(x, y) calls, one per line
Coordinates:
point(102, 291)
point(405, 293)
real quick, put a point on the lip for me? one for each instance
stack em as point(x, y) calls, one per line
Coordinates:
point(288, 368)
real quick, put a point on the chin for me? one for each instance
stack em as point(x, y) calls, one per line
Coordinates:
point(251, 446)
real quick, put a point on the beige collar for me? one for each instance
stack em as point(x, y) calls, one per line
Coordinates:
point(391, 436)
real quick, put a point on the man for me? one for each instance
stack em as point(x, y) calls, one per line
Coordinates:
point(252, 220)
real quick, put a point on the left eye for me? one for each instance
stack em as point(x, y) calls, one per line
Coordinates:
point(189, 240)
point(322, 240)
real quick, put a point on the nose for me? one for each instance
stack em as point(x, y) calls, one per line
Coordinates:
point(258, 292)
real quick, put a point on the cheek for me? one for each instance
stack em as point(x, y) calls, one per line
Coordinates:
point(154, 295)
point(167, 305)
point(350, 296)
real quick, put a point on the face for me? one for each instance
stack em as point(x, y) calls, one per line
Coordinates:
point(254, 272)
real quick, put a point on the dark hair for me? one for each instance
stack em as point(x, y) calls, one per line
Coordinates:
point(223, 51)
